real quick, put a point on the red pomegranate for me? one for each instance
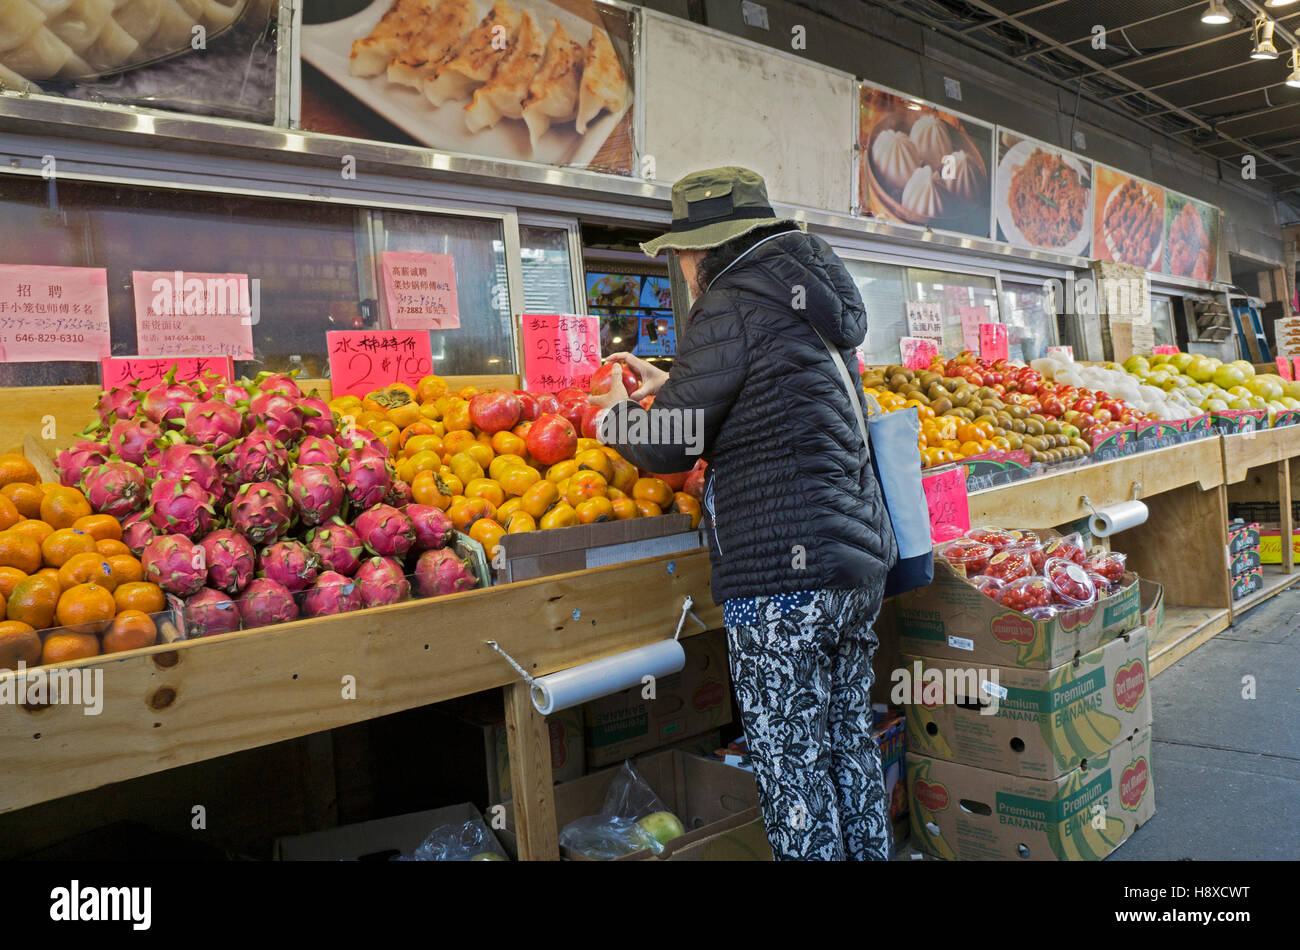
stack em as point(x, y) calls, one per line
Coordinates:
point(494, 410)
point(601, 380)
point(546, 402)
point(572, 407)
point(590, 422)
point(551, 439)
point(529, 409)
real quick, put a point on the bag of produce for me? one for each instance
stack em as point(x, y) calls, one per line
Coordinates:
point(633, 818)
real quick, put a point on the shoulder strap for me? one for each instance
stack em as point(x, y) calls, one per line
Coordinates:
point(847, 380)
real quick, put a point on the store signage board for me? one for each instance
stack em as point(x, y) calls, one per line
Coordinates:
point(362, 361)
point(560, 350)
point(121, 370)
point(917, 352)
point(971, 318)
point(50, 314)
point(1164, 349)
point(993, 342)
point(183, 312)
point(925, 320)
point(1064, 351)
point(945, 494)
point(1284, 368)
point(420, 290)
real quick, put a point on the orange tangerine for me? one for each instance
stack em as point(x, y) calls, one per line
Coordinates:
point(61, 507)
point(131, 630)
point(35, 529)
point(87, 568)
point(16, 468)
point(26, 498)
point(140, 595)
point(63, 647)
point(126, 568)
point(19, 643)
point(34, 601)
point(63, 543)
point(20, 550)
point(85, 605)
point(9, 579)
point(100, 527)
point(109, 548)
point(9, 514)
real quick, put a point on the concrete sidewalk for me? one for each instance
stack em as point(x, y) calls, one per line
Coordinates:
point(1227, 768)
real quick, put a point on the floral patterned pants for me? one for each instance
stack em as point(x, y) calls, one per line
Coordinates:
point(803, 681)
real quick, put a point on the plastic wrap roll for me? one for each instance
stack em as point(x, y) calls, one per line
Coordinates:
point(1117, 518)
point(557, 691)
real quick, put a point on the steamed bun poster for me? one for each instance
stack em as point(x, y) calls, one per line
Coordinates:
point(1191, 245)
point(922, 165)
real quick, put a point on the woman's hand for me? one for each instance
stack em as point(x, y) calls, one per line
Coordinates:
point(652, 377)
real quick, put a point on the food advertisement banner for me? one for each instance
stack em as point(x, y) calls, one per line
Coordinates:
point(922, 165)
point(1191, 242)
point(545, 81)
point(1128, 219)
point(208, 57)
point(1042, 196)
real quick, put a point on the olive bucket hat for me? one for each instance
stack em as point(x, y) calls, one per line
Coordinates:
point(712, 207)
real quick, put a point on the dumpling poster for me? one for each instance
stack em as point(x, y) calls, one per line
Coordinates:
point(1042, 196)
point(922, 165)
point(526, 80)
point(1191, 245)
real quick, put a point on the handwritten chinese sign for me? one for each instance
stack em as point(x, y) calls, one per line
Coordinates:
point(53, 313)
point(917, 351)
point(559, 351)
point(119, 370)
point(1165, 349)
point(362, 361)
point(420, 290)
point(945, 494)
point(925, 320)
point(993, 342)
point(183, 312)
point(971, 318)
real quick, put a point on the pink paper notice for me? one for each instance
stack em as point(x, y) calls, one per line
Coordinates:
point(179, 313)
point(50, 314)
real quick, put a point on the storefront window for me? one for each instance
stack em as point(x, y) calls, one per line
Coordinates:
point(885, 299)
point(1162, 321)
point(1027, 311)
point(964, 301)
point(548, 279)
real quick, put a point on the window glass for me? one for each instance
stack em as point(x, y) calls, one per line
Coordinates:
point(1162, 321)
point(957, 295)
point(548, 279)
point(1027, 312)
point(885, 298)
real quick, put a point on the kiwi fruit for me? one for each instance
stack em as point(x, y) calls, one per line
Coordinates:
point(941, 405)
point(1017, 425)
point(951, 383)
point(1015, 440)
point(1033, 427)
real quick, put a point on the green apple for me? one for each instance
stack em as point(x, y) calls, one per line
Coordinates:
point(1214, 405)
point(1239, 403)
point(1292, 389)
point(663, 826)
point(1135, 363)
point(487, 856)
point(1265, 386)
point(1247, 368)
point(1069, 431)
point(1182, 361)
point(1289, 402)
point(1201, 369)
point(1229, 376)
point(1158, 358)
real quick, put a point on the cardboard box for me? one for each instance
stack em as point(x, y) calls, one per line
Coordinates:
point(1243, 562)
point(1153, 609)
point(1246, 584)
point(717, 805)
point(889, 733)
point(582, 547)
point(950, 619)
point(1048, 721)
point(963, 813)
point(1270, 545)
point(379, 840)
point(686, 704)
point(1242, 536)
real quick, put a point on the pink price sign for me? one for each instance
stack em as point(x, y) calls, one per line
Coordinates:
point(182, 312)
point(1284, 368)
point(971, 318)
point(362, 361)
point(917, 351)
point(52, 314)
point(1164, 349)
point(560, 350)
point(420, 290)
point(945, 494)
point(120, 370)
point(993, 342)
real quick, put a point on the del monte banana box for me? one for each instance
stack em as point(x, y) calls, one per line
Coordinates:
point(1040, 723)
point(963, 813)
point(951, 619)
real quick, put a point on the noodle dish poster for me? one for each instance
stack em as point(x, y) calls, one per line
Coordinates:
point(1128, 220)
point(1042, 196)
point(1191, 245)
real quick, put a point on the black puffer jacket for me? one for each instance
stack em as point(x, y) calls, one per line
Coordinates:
point(795, 503)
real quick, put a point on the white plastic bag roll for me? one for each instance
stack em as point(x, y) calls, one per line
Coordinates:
point(1117, 518)
point(557, 691)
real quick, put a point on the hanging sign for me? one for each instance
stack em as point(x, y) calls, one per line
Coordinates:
point(993, 342)
point(182, 312)
point(945, 494)
point(420, 290)
point(1165, 349)
point(917, 352)
point(362, 361)
point(560, 350)
point(53, 314)
point(925, 320)
point(971, 318)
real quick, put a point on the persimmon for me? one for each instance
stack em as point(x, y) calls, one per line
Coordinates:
point(647, 509)
point(624, 508)
point(594, 510)
point(519, 522)
point(426, 490)
point(481, 453)
point(421, 442)
point(540, 498)
point(625, 474)
point(596, 461)
point(506, 442)
point(561, 470)
point(458, 441)
point(502, 462)
point(689, 505)
point(465, 512)
point(561, 516)
point(131, 630)
point(508, 508)
point(487, 532)
point(583, 486)
point(517, 479)
point(653, 490)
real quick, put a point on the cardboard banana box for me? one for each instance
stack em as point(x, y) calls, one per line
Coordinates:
point(1040, 723)
point(963, 813)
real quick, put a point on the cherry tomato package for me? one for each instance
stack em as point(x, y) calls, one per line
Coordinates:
point(1070, 583)
point(988, 586)
point(966, 555)
point(1032, 545)
point(1069, 547)
point(998, 538)
point(1026, 593)
point(1007, 566)
point(1042, 613)
point(1109, 564)
point(1104, 587)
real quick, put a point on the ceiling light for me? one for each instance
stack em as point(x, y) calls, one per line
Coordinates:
point(1279, 3)
point(1216, 13)
point(1293, 77)
point(1264, 48)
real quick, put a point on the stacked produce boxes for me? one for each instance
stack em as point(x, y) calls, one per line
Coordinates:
point(1244, 559)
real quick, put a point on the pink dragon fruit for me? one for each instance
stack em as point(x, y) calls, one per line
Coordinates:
point(76, 461)
point(433, 529)
point(399, 494)
point(282, 383)
point(181, 506)
point(116, 488)
point(290, 563)
point(385, 531)
point(316, 493)
point(232, 394)
point(213, 424)
point(382, 581)
point(131, 439)
point(442, 572)
point(261, 512)
point(337, 545)
point(137, 532)
point(210, 612)
point(164, 404)
point(361, 442)
point(317, 416)
point(174, 563)
point(265, 602)
point(316, 450)
point(182, 460)
point(257, 457)
point(366, 477)
point(332, 594)
point(281, 416)
point(117, 404)
point(230, 559)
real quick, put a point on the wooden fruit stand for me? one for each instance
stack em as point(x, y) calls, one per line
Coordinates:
point(1257, 468)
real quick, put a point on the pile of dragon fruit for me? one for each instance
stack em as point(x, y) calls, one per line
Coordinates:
point(249, 502)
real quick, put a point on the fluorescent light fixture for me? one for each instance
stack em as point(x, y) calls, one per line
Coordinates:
point(1279, 3)
point(1264, 48)
point(1293, 77)
point(1216, 13)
